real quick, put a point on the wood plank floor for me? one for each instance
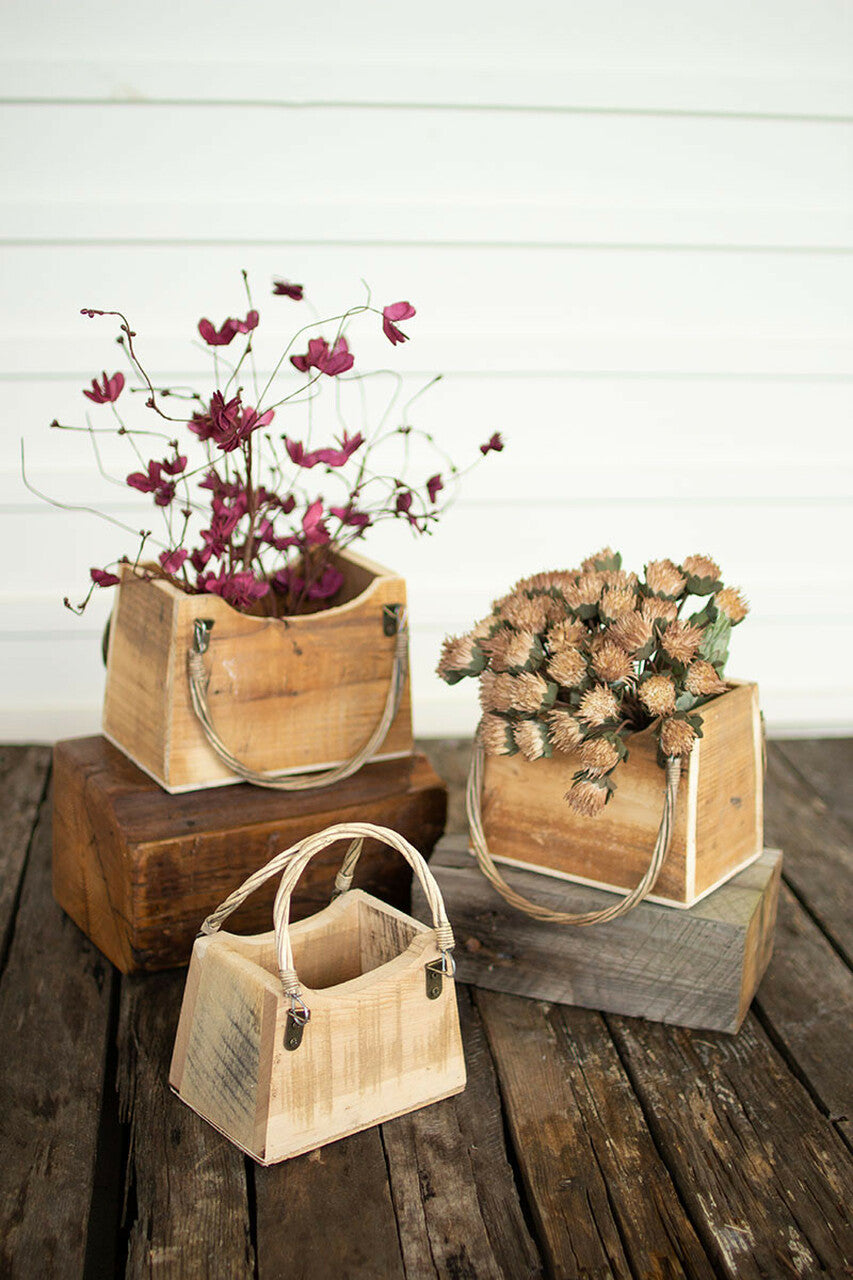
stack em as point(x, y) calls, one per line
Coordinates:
point(585, 1145)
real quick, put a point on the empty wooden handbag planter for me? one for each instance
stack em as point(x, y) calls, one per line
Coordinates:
point(199, 694)
point(681, 836)
point(368, 1030)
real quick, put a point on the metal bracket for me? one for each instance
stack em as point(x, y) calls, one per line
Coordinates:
point(202, 628)
point(297, 1020)
point(391, 619)
point(436, 972)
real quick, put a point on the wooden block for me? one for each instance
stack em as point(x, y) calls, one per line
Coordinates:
point(286, 694)
point(698, 967)
point(138, 870)
point(719, 822)
point(376, 1045)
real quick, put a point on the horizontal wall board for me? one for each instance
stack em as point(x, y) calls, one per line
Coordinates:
point(484, 310)
point(456, 177)
point(665, 55)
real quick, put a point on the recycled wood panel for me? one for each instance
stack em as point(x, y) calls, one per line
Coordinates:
point(585, 1144)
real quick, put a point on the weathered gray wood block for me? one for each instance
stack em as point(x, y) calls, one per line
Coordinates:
point(696, 967)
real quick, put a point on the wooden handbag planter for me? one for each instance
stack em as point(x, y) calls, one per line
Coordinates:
point(199, 695)
point(717, 824)
point(368, 1030)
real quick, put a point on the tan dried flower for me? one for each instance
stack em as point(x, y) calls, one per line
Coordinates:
point(496, 736)
point(657, 695)
point(587, 797)
point(655, 609)
point(632, 631)
point(681, 640)
point(568, 667)
point(459, 656)
point(611, 663)
point(527, 693)
point(587, 590)
point(556, 578)
point(606, 553)
point(566, 732)
point(615, 602)
point(619, 578)
point(486, 627)
point(664, 578)
point(531, 738)
point(565, 635)
point(496, 692)
point(523, 613)
point(701, 567)
point(598, 705)
point(598, 756)
point(702, 679)
point(731, 602)
point(511, 650)
point(677, 738)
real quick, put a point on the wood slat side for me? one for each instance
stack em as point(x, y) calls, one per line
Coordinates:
point(827, 766)
point(23, 772)
point(192, 1215)
point(584, 1148)
point(456, 1202)
point(764, 1176)
point(818, 852)
point(806, 999)
point(55, 1010)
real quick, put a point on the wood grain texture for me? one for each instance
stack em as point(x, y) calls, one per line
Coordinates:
point(192, 1215)
point(54, 1009)
point(827, 766)
point(718, 819)
point(285, 693)
point(583, 1147)
point(23, 773)
point(138, 870)
point(764, 1177)
point(697, 967)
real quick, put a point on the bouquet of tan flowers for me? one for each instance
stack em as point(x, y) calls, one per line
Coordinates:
point(578, 660)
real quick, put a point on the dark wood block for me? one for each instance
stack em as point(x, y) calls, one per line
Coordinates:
point(693, 967)
point(138, 869)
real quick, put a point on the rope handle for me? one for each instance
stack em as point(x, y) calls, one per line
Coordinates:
point(486, 862)
point(293, 861)
point(198, 680)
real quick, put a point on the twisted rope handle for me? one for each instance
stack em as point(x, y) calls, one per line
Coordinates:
point(293, 861)
point(538, 912)
point(286, 781)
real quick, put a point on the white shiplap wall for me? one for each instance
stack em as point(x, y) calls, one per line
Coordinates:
point(627, 229)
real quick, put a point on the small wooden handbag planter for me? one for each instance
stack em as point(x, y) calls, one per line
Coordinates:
point(278, 695)
point(717, 825)
point(368, 1030)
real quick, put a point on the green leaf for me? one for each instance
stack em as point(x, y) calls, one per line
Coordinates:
point(715, 642)
point(685, 701)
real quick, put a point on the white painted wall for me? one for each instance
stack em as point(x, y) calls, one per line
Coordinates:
point(627, 230)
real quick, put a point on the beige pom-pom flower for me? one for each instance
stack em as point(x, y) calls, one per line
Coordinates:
point(657, 694)
point(526, 693)
point(677, 737)
point(496, 736)
point(566, 732)
point(565, 635)
point(615, 602)
point(512, 650)
point(655, 609)
point(681, 640)
point(555, 579)
point(568, 668)
point(587, 797)
point(496, 692)
point(531, 738)
point(664, 578)
point(620, 578)
point(586, 591)
point(523, 613)
point(632, 631)
point(598, 705)
point(598, 756)
point(701, 567)
point(611, 663)
point(486, 627)
point(731, 602)
point(702, 679)
point(460, 656)
point(606, 553)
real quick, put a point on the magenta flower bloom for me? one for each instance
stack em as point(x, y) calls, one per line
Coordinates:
point(330, 457)
point(434, 486)
point(349, 516)
point(404, 502)
point(146, 481)
point(101, 578)
point(240, 589)
point(227, 424)
point(288, 582)
point(172, 560)
point(339, 359)
point(327, 585)
point(247, 325)
point(217, 337)
point(176, 466)
point(396, 311)
point(318, 356)
point(493, 445)
point(315, 531)
point(110, 391)
point(284, 289)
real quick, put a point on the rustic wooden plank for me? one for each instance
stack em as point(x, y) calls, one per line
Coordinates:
point(192, 1212)
point(806, 999)
point(23, 773)
point(55, 1010)
point(766, 1179)
point(451, 758)
point(602, 1200)
point(454, 1195)
point(826, 764)
point(818, 852)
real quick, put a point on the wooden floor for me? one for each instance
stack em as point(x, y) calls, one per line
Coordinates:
point(584, 1145)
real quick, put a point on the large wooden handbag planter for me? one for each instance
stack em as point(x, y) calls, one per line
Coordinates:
point(284, 695)
point(717, 826)
point(368, 1030)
